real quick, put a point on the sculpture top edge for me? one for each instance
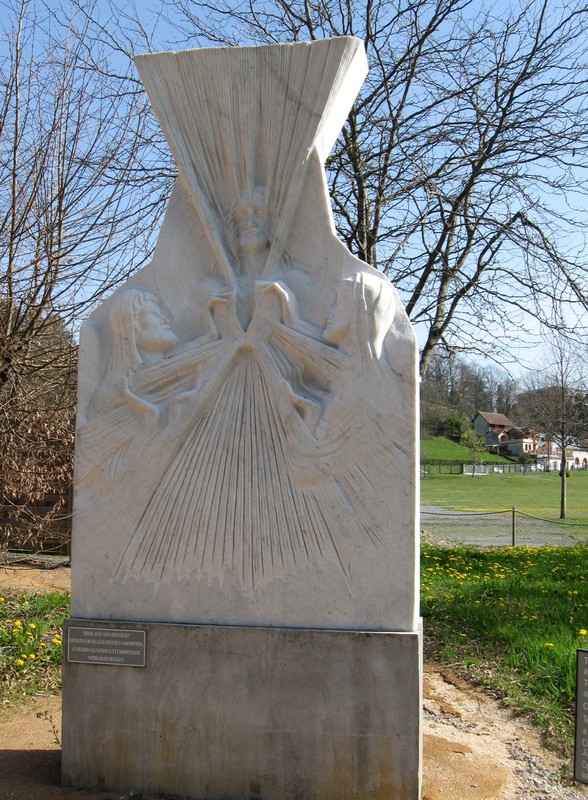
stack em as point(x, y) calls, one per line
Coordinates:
point(352, 41)
point(241, 118)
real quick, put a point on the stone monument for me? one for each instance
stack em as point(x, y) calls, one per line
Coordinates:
point(244, 555)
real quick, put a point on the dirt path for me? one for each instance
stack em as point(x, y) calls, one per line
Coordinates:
point(474, 749)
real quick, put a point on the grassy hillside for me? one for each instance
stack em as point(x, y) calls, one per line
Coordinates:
point(438, 448)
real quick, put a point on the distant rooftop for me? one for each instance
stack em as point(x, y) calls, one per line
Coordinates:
point(495, 419)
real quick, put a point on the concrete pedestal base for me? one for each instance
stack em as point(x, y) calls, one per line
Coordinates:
point(248, 713)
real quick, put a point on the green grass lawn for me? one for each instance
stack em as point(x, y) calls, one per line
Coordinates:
point(438, 448)
point(534, 493)
point(512, 619)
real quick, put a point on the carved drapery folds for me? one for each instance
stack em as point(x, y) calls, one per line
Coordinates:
point(245, 120)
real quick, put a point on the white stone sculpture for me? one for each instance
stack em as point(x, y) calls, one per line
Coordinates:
point(247, 415)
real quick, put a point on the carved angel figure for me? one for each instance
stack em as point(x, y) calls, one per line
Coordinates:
point(361, 315)
point(148, 380)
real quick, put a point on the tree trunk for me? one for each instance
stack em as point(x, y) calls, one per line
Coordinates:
point(564, 470)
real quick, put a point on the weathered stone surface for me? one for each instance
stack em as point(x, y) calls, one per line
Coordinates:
point(246, 443)
point(228, 712)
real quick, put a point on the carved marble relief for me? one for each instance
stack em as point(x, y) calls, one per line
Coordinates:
point(249, 406)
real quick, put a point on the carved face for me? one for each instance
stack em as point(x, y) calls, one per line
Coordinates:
point(340, 315)
point(248, 219)
point(152, 329)
point(365, 306)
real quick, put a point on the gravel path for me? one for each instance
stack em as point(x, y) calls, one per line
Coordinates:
point(495, 530)
point(475, 749)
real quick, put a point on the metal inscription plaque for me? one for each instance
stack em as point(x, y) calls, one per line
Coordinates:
point(581, 750)
point(117, 647)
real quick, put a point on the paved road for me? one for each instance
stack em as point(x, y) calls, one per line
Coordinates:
point(485, 530)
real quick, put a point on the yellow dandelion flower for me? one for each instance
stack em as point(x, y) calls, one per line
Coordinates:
point(32, 625)
point(549, 644)
point(583, 632)
point(20, 663)
point(32, 655)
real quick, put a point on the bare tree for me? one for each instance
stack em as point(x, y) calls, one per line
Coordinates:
point(37, 409)
point(75, 219)
point(556, 403)
point(459, 388)
point(459, 167)
point(506, 392)
point(457, 173)
point(475, 444)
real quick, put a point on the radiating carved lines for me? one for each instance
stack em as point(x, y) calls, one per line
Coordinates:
point(272, 464)
point(227, 505)
point(327, 361)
